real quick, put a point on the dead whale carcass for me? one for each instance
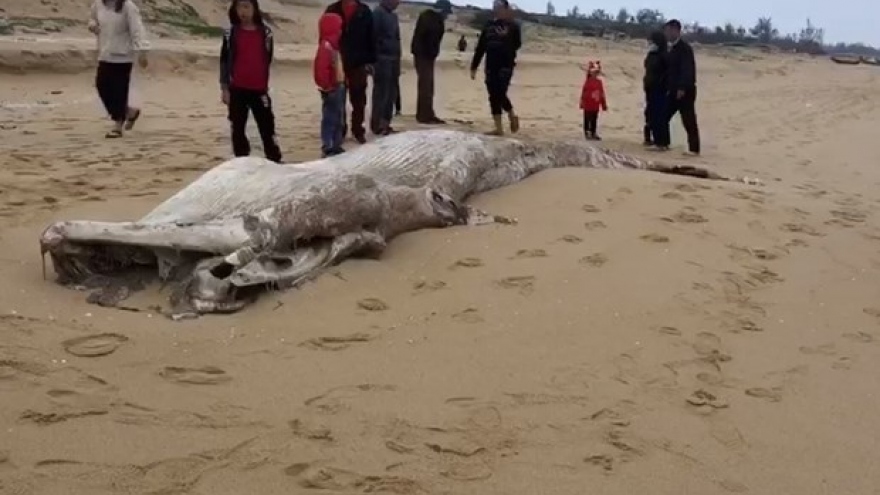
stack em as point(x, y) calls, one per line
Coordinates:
point(250, 223)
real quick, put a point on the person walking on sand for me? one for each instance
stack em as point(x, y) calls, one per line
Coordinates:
point(682, 85)
point(330, 79)
point(386, 70)
point(656, 131)
point(122, 38)
point(358, 55)
point(245, 60)
point(425, 48)
point(499, 41)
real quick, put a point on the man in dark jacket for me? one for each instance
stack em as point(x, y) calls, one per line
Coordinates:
point(499, 42)
point(386, 70)
point(426, 40)
point(358, 56)
point(656, 88)
point(682, 84)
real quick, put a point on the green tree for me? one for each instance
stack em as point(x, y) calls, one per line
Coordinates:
point(649, 17)
point(551, 9)
point(764, 30)
point(623, 16)
point(600, 15)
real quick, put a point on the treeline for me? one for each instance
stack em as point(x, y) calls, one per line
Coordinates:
point(639, 24)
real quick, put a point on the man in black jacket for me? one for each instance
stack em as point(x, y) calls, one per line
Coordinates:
point(682, 77)
point(425, 47)
point(499, 42)
point(358, 57)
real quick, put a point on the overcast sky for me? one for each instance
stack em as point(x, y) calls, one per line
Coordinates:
point(843, 20)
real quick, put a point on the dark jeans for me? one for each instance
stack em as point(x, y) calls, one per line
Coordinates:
point(425, 88)
point(398, 106)
point(386, 81)
point(656, 120)
point(112, 82)
point(356, 78)
point(332, 119)
point(497, 84)
point(686, 106)
point(241, 102)
point(591, 123)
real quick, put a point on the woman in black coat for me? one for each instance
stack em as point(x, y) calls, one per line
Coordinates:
point(655, 84)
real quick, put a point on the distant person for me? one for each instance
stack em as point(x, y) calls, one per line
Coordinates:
point(386, 70)
point(462, 44)
point(245, 60)
point(330, 79)
point(425, 48)
point(656, 85)
point(682, 85)
point(358, 56)
point(593, 100)
point(122, 38)
point(500, 39)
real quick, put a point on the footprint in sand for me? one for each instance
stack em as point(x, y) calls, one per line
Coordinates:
point(685, 216)
point(656, 238)
point(704, 399)
point(314, 476)
point(571, 239)
point(862, 337)
point(672, 195)
point(469, 315)
point(467, 263)
point(595, 225)
point(339, 343)
point(590, 209)
point(424, 286)
point(875, 312)
point(595, 260)
point(529, 253)
point(372, 304)
point(207, 375)
point(101, 344)
point(666, 330)
point(606, 462)
point(769, 394)
point(525, 284)
point(319, 433)
point(800, 228)
point(819, 350)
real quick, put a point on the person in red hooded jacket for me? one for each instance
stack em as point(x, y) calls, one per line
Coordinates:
point(330, 79)
point(593, 100)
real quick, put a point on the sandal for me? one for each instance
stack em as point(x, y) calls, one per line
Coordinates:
point(131, 121)
point(115, 133)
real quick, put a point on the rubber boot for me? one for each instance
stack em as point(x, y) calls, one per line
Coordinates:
point(499, 126)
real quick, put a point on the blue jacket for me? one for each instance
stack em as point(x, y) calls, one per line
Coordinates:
point(227, 53)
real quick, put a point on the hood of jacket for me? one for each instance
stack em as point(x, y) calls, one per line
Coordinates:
point(330, 29)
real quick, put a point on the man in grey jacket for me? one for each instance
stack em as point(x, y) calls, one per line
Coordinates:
point(386, 70)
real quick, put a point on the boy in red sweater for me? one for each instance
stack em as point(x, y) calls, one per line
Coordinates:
point(593, 100)
point(330, 79)
point(245, 58)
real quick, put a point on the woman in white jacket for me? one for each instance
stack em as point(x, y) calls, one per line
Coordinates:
point(121, 40)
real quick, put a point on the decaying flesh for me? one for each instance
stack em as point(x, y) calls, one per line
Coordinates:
point(250, 224)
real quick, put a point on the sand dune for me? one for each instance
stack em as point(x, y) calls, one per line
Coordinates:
point(634, 333)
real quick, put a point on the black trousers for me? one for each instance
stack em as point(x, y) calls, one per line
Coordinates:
point(497, 84)
point(112, 82)
point(656, 118)
point(591, 123)
point(686, 106)
point(241, 103)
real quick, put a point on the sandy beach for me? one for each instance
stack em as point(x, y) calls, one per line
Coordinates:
point(634, 333)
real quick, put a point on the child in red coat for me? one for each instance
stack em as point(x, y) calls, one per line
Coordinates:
point(593, 100)
point(330, 79)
